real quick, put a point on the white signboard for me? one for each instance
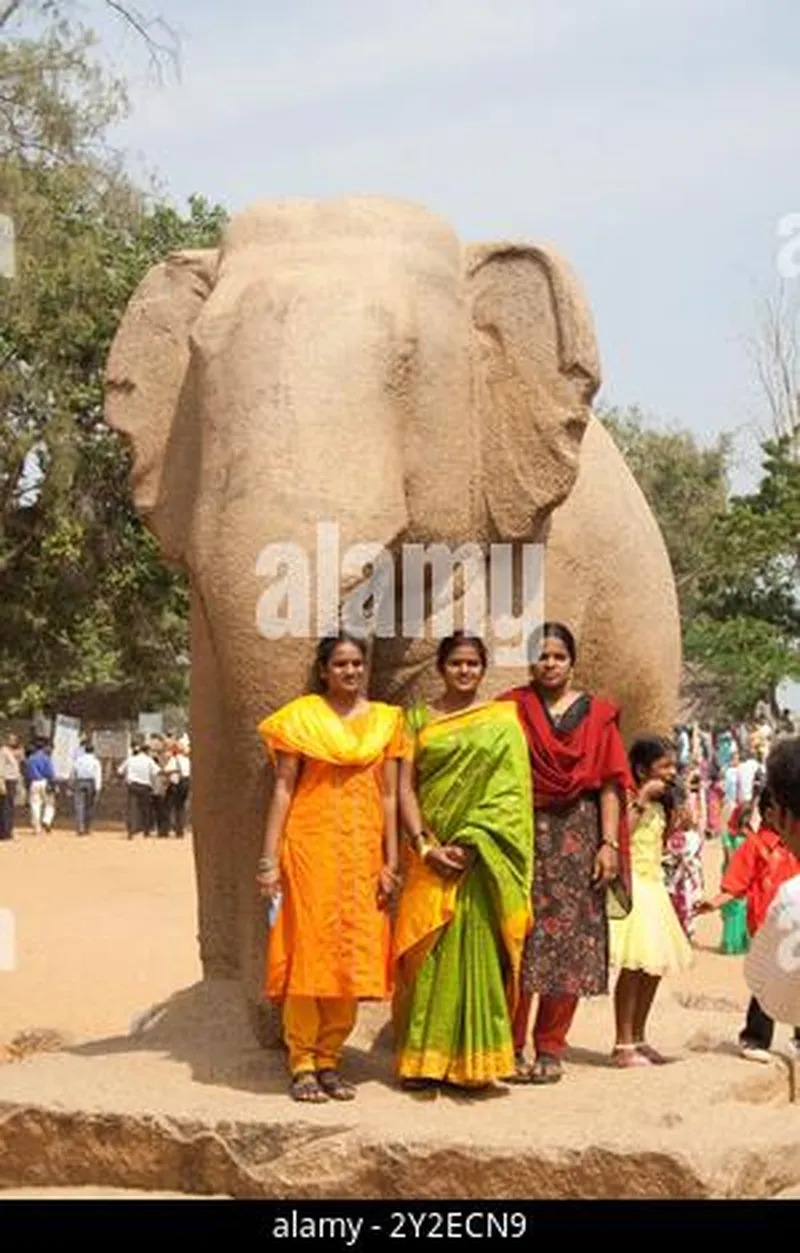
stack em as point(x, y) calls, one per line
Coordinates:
point(66, 742)
point(151, 724)
point(112, 745)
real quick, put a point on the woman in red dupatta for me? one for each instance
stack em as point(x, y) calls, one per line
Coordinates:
point(580, 776)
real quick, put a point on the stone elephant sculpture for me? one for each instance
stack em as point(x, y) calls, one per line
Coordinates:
point(352, 362)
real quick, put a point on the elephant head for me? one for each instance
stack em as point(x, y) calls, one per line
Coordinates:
point(345, 362)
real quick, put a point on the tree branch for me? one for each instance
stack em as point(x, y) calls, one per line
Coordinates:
point(8, 12)
point(146, 27)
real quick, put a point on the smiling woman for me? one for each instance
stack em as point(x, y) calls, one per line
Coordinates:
point(329, 863)
point(465, 906)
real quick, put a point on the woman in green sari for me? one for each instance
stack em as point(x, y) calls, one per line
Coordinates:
point(465, 908)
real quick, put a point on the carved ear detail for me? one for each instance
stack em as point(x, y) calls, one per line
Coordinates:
point(148, 360)
point(535, 369)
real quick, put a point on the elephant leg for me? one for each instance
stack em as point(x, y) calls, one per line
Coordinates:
point(211, 788)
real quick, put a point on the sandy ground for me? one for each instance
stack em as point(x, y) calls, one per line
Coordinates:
point(106, 927)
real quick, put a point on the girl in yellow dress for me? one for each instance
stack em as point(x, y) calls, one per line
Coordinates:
point(650, 941)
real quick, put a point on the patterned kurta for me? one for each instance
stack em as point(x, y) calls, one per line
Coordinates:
point(567, 952)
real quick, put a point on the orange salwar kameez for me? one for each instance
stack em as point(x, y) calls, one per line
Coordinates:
point(330, 946)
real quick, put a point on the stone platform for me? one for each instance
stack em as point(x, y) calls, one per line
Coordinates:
point(189, 1103)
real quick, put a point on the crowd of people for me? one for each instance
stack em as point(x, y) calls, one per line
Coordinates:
point(468, 856)
point(156, 774)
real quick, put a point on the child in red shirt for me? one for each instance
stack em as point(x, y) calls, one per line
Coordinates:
point(756, 871)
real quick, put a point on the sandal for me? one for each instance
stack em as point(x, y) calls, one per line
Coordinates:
point(522, 1071)
point(304, 1087)
point(335, 1086)
point(546, 1069)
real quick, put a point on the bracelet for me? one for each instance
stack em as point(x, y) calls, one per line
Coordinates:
point(265, 864)
point(610, 844)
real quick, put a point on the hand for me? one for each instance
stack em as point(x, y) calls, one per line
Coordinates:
point(388, 883)
point(269, 884)
point(652, 790)
point(446, 861)
point(705, 907)
point(606, 865)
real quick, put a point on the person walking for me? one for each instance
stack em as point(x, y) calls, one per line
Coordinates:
point(178, 772)
point(140, 773)
point(87, 781)
point(41, 779)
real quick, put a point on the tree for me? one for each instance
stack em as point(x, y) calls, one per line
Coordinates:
point(86, 605)
point(159, 38)
point(736, 560)
point(775, 352)
point(747, 628)
point(686, 486)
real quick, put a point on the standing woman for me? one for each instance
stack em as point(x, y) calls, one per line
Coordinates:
point(464, 910)
point(329, 864)
point(581, 777)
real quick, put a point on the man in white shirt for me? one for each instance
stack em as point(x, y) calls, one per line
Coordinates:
point(87, 781)
point(178, 771)
point(772, 967)
point(140, 773)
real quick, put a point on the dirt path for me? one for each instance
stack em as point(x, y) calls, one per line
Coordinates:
point(105, 926)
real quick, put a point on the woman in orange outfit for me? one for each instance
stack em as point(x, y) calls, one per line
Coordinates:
point(330, 863)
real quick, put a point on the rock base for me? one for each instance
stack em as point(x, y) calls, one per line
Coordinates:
point(190, 1103)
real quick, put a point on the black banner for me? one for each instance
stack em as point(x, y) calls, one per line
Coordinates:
point(377, 1224)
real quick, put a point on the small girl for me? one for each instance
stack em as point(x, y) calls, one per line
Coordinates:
point(683, 860)
point(649, 942)
point(735, 939)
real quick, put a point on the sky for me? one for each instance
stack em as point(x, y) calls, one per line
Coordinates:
point(654, 143)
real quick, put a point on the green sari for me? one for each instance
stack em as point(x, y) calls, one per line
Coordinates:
point(458, 943)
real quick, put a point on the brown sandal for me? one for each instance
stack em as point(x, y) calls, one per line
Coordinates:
point(304, 1087)
point(522, 1071)
point(546, 1069)
point(332, 1083)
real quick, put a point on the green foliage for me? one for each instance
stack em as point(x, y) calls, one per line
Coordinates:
point(86, 604)
point(686, 486)
point(736, 559)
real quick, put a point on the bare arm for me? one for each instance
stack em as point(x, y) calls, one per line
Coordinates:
point(286, 774)
point(447, 861)
point(410, 815)
point(607, 860)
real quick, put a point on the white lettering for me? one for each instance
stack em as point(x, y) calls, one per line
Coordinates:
point(283, 608)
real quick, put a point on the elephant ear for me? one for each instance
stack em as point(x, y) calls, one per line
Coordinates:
point(535, 372)
point(146, 372)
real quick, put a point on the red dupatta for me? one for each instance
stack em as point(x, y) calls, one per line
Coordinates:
point(567, 764)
